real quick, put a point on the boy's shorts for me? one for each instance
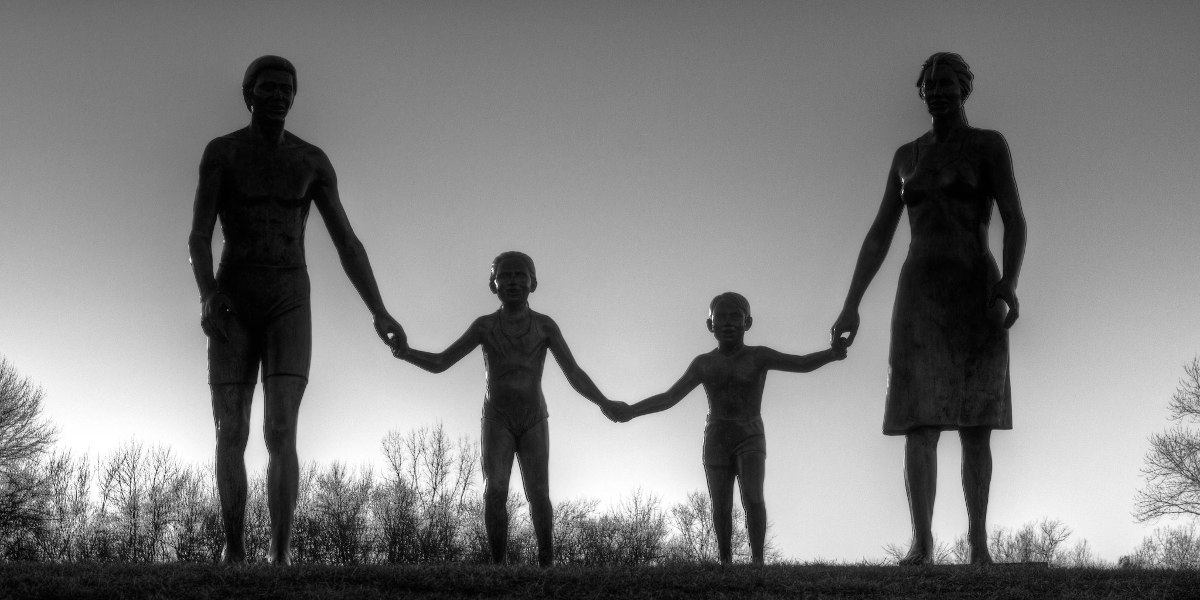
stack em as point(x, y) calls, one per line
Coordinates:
point(726, 439)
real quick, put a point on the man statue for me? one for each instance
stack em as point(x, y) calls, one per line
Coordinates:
point(260, 181)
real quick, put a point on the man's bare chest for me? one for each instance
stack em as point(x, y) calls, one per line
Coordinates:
point(280, 174)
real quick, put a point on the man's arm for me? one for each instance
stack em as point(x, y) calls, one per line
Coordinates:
point(352, 253)
point(692, 377)
point(204, 221)
point(438, 362)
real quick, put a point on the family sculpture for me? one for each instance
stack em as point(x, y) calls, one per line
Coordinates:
point(948, 364)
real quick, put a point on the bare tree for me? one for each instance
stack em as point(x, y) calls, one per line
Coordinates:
point(1172, 465)
point(694, 539)
point(1171, 547)
point(425, 513)
point(25, 437)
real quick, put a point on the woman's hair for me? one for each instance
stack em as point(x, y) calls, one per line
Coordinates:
point(962, 72)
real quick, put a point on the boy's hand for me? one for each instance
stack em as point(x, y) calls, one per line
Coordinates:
point(617, 412)
point(838, 348)
point(399, 347)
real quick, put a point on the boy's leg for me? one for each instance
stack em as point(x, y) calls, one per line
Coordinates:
point(720, 490)
point(497, 447)
point(533, 454)
point(281, 411)
point(231, 416)
point(751, 472)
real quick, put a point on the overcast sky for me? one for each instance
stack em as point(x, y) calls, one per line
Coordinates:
point(647, 155)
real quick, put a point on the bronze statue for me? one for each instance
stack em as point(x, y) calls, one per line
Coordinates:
point(514, 340)
point(949, 349)
point(735, 446)
point(261, 181)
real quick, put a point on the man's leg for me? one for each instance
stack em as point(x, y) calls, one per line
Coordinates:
point(231, 416)
point(497, 448)
point(920, 480)
point(751, 471)
point(977, 482)
point(720, 490)
point(281, 406)
point(533, 454)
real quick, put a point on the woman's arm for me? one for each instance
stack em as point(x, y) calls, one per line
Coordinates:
point(874, 250)
point(998, 162)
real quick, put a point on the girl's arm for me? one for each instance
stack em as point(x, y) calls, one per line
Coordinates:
point(438, 362)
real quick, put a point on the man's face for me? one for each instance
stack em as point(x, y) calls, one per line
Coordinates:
point(272, 94)
point(513, 281)
point(728, 322)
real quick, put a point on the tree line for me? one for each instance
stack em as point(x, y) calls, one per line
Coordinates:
point(142, 504)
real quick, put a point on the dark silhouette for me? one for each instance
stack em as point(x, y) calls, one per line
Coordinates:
point(261, 181)
point(514, 340)
point(949, 350)
point(735, 444)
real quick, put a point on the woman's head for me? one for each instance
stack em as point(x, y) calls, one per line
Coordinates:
point(953, 62)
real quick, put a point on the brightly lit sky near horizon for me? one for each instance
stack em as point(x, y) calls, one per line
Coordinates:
point(648, 155)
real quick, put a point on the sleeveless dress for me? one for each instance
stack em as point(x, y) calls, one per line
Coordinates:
point(948, 362)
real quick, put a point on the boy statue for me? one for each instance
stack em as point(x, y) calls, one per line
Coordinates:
point(514, 340)
point(735, 446)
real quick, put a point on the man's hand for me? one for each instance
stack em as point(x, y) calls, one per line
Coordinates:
point(392, 334)
point(215, 311)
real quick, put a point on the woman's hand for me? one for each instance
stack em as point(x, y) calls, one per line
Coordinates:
point(846, 323)
point(1004, 290)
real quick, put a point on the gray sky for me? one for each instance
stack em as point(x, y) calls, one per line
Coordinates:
point(648, 155)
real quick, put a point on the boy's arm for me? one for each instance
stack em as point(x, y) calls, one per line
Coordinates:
point(566, 361)
point(660, 402)
point(773, 359)
point(438, 362)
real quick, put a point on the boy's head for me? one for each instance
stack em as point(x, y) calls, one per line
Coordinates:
point(512, 267)
point(729, 313)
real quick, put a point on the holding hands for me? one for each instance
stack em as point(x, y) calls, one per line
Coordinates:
point(617, 412)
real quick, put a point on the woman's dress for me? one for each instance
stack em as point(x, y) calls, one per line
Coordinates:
point(948, 363)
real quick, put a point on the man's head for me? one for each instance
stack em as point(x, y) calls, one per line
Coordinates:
point(729, 316)
point(512, 273)
point(264, 77)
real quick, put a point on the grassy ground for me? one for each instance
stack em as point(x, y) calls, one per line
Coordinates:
point(185, 581)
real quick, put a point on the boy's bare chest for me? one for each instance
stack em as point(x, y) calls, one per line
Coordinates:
point(737, 371)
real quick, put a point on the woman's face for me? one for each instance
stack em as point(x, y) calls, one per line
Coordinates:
point(941, 91)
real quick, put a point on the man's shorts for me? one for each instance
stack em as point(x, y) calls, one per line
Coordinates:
point(271, 325)
point(726, 439)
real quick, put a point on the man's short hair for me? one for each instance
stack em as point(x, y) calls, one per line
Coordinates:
point(264, 63)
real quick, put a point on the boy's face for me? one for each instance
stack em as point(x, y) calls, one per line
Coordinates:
point(513, 282)
point(728, 322)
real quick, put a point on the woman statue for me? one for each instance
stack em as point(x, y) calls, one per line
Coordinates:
point(948, 363)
